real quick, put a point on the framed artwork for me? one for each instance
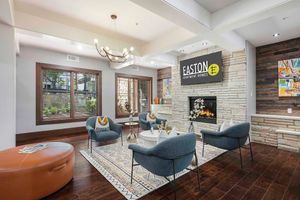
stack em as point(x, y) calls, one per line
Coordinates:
point(167, 84)
point(289, 77)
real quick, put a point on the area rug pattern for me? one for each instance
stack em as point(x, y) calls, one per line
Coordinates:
point(114, 163)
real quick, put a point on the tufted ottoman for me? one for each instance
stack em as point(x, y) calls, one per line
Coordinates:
point(36, 175)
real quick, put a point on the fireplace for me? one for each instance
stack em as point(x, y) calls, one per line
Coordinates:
point(203, 109)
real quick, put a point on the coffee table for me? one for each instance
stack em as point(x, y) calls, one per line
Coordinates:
point(149, 139)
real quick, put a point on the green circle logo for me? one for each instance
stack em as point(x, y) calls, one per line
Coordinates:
point(213, 69)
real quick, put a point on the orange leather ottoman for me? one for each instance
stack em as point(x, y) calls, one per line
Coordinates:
point(36, 175)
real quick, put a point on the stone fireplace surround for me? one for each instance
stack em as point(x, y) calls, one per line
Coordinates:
point(230, 93)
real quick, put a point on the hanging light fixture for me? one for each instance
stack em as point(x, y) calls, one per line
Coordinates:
point(113, 55)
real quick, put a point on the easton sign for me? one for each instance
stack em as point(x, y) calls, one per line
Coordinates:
point(202, 69)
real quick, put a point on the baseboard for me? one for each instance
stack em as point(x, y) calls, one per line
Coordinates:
point(32, 137)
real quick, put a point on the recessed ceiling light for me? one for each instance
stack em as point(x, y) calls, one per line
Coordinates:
point(276, 35)
point(79, 47)
point(152, 62)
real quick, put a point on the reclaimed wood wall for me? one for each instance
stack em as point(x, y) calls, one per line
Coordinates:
point(164, 73)
point(268, 101)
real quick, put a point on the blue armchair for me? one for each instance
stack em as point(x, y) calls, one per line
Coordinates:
point(114, 133)
point(167, 157)
point(232, 138)
point(145, 125)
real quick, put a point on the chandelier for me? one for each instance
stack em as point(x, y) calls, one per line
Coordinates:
point(114, 55)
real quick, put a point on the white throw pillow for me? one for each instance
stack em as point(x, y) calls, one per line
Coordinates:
point(163, 135)
point(226, 124)
point(102, 124)
point(151, 118)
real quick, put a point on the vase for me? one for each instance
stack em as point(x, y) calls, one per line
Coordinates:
point(130, 118)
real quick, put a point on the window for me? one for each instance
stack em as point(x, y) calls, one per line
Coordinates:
point(134, 92)
point(66, 94)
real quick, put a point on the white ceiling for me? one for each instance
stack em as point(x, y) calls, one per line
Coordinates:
point(261, 33)
point(215, 5)
point(133, 20)
point(56, 44)
point(191, 48)
point(164, 26)
point(29, 38)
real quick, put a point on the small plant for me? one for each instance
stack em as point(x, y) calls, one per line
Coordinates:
point(91, 106)
point(46, 111)
point(53, 110)
point(197, 108)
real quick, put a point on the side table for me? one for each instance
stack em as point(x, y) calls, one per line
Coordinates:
point(132, 133)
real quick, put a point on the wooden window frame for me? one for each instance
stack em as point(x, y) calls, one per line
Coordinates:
point(121, 75)
point(39, 91)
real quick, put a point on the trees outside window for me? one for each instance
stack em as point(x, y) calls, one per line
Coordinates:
point(135, 91)
point(66, 94)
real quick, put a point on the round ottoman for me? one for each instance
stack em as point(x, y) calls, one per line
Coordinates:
point(36, 175)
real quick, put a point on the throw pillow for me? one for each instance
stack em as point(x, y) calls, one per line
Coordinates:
point(151, 118)
point(163, 135)
point(102, 124)
point(225, 125)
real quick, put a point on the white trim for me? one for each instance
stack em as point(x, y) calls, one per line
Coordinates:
point(276, 116)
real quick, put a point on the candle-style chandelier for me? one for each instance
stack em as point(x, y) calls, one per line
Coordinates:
point(113, 55)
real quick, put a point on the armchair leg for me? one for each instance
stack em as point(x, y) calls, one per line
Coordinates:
point(122, 139)
point(203, 148)
point(132, 168)
point(241, 159)
point(198, 176)
point(251, 149)
point(91, 145)
point(88, 142)
point(174, 180)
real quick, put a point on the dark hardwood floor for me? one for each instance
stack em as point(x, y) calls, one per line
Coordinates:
point(274, 174)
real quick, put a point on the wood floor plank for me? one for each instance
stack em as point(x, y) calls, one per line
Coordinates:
point(221, 178)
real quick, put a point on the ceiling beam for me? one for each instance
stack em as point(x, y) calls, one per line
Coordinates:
point(7, 12)
point(38, 24)
point(169, 41)
point(244, 13)
point(186, 14)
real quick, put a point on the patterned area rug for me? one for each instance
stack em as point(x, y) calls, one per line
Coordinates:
point(114, 163)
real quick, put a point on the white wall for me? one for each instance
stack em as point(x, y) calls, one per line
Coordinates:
point(7, 86)
point(251, 80)
point(26, 97)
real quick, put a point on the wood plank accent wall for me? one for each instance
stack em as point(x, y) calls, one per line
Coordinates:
point(268, 101)
point(162, 74)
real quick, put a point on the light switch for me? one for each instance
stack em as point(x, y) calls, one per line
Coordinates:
point(290, 110)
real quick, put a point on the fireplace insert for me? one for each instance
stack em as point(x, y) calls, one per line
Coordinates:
point(203, 109)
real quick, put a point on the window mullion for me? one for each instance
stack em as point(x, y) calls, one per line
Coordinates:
point(72, 99)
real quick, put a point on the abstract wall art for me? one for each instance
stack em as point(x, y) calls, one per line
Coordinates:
point(289, 77)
